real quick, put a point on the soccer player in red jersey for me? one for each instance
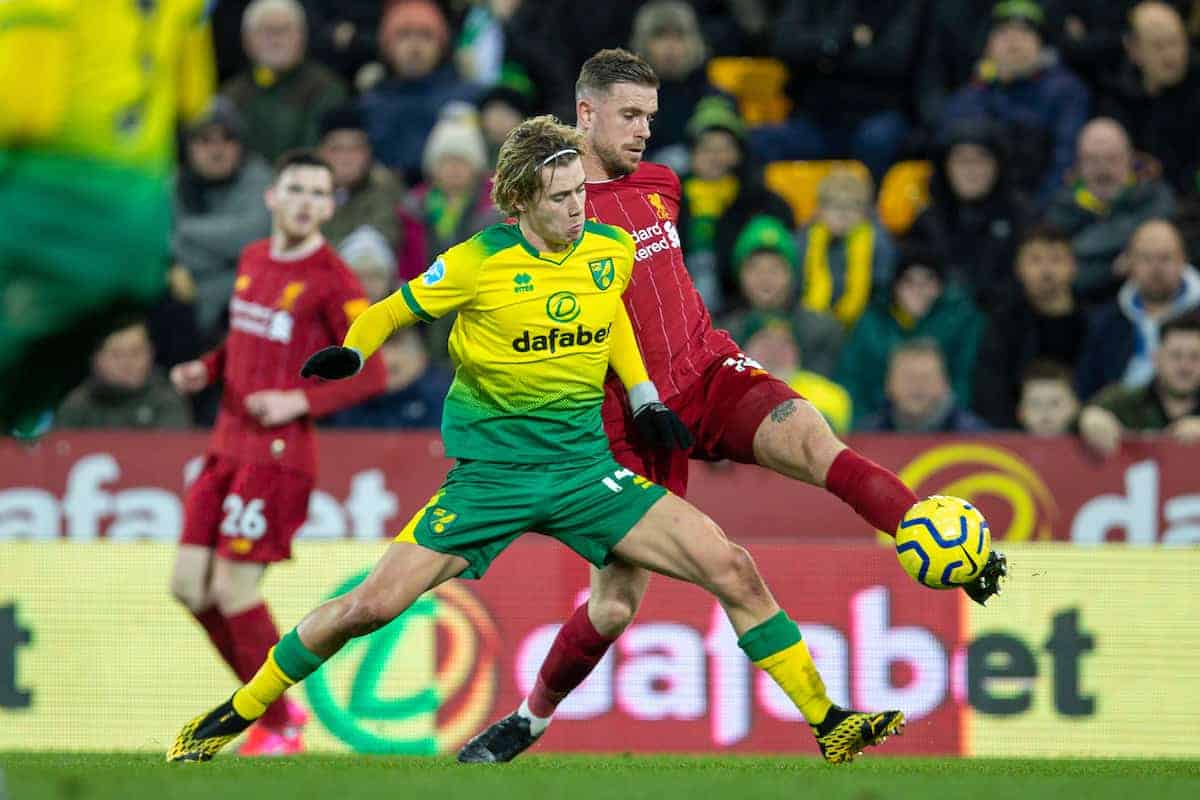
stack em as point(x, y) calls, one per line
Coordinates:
point(734, 408)
point(292, 295)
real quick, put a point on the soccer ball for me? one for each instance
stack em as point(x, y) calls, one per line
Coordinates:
point(943, 542)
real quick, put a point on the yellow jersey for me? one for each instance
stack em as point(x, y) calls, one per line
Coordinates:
point(531, 343)
point(103, 80)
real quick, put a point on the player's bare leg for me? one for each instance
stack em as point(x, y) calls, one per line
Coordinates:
point(404, 573)
point(677, 540)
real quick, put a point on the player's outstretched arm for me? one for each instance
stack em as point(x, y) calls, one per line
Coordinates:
point(655, 423)
point(366, 335)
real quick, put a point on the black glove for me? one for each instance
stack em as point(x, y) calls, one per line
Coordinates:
point(988, 582)
point(657, 425)
point(332, 363)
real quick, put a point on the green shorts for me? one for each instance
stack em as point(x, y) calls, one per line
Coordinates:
point(483, 506)
point(82, 244)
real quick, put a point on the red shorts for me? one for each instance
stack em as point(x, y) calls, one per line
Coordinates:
point(246, 512)
point(723, 410)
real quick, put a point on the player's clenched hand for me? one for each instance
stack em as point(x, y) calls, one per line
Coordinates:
point(987, 585)
point(272, 407)
point(189, 377)
point(658, 426)
point(332, 363)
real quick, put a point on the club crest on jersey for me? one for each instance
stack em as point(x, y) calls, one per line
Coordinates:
point(603, 272)
point(436, 271)
point(660, 208)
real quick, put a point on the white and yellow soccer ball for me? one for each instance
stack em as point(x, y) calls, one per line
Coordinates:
point(943, 542)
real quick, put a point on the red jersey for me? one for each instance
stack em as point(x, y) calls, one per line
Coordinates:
point(283, 311)
point(672, 324)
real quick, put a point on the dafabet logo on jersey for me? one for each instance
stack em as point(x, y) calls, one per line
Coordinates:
point(559, 339)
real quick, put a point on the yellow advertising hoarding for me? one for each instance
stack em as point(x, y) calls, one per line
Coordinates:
point(1096, 652)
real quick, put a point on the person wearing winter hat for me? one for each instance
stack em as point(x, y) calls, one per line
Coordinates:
point(402, 109)
point(218, 210)
point(764, 260)
point(721, 193)
point(370, 255)
point(919, 305)
point(365, 192)
point(282, 94)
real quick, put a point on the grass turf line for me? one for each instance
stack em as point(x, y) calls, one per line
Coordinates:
point(100, 776)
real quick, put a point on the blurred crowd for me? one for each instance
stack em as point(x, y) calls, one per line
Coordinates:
point(927, 215)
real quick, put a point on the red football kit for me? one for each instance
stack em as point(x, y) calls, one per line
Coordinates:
point(252, 495)
point(719, 393)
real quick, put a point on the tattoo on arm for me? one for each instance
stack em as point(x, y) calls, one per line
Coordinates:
point(783, 411)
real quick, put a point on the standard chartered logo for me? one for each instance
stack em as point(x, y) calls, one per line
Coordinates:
point(562, 307)
point(388, 692)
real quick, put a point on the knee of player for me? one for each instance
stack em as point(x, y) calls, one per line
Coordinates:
point(735, 575)
point(612, 615)
point(190, 591)
point(366, 611)
point(231, 594)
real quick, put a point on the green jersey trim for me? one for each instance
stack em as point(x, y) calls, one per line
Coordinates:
point(413, 305)
point(533, 251)
point(607, 231)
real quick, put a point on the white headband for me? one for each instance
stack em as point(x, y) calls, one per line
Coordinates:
point(550, 158)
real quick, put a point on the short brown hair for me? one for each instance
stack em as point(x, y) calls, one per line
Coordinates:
point(611, 66)
point(528, 147)
point(1045, 233)
point(1046, 369)
point(300, 157)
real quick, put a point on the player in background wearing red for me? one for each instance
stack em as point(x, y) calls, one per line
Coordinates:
point(734, 408)
point(292, 296)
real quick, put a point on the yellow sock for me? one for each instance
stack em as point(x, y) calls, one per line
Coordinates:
point(793, 669)
point(267, 686)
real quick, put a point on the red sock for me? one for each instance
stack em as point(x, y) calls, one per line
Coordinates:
point(576, 651)
point(254, 634)
point(218, 632)
point(875, 493)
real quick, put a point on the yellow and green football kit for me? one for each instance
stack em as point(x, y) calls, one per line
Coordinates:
point(533, 340)
point(91, 93)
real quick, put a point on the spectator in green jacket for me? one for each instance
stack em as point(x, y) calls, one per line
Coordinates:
point(125, 390)
point(920, 305)
point(1170, 403)
point(282, 95)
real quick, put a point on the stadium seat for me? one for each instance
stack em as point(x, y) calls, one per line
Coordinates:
point(797, 181)
point(757, 84)
point(904, 194)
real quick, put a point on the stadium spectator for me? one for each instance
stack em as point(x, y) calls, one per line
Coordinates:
point(736, 27)
point(1113, 192)
point(218, 210)
point(402, 109)
point(765, 264)
point(1169, 403)
point(501, 109)
point(919, 398)
point(723, 191)
point(1156, 92)
point(365, 191)
point(851, 63)
point(1123, 335)
point(846, 257)
point(371, 257)
point(975, 215)
point(125, 389)
point(773, 341)
point(667, 34)
point(1020, 85)
point(921, 305)
point(282, 95)
point(1044, 321)
point(454, 201)
point(1049, 406)
point(344, 34)
point(416, 389)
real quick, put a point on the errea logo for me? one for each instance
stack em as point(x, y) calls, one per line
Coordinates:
point(522, 282)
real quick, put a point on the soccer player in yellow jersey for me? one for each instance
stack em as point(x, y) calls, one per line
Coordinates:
point(540, 321)
point(89, 97)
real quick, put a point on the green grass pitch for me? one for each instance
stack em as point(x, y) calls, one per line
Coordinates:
point(71, 776)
